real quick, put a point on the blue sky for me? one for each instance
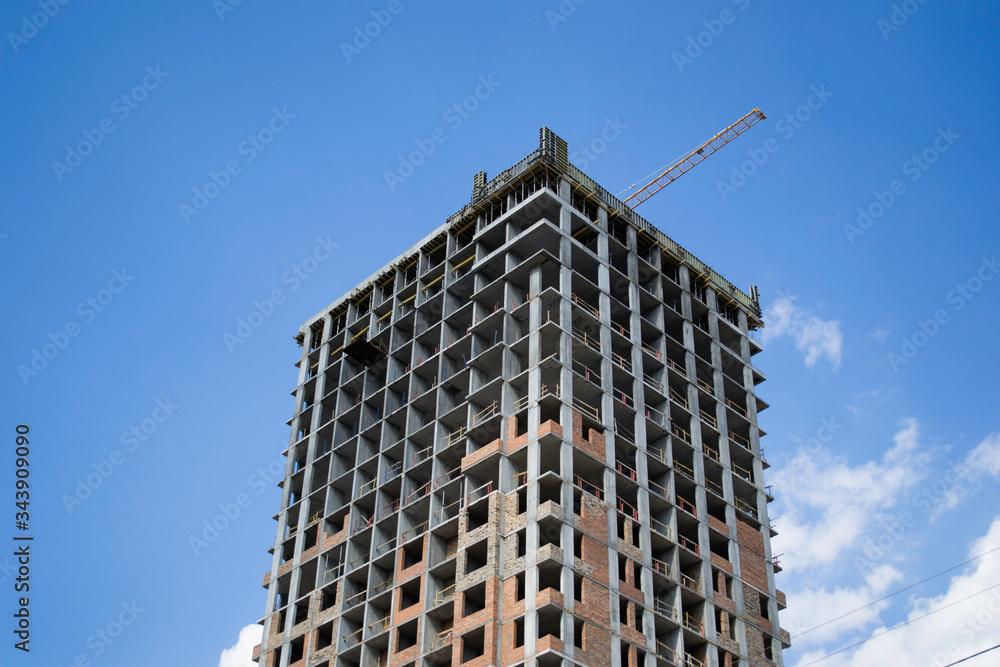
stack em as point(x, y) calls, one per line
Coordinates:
point(206, 151)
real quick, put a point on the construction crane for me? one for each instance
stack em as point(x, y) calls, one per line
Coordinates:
point(694, 157)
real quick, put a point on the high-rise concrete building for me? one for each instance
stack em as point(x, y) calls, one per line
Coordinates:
point(530, 440)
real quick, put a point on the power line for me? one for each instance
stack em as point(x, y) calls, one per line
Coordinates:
point(904, 623)
point(886, 597)
point(973, 655)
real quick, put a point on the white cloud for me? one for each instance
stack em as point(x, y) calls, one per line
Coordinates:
point(875, 396)
point(815, 337)
point(985, 458)
point(880, 334)
point(239, 655)
point(829, 505)
point(818, 613)
point(961, 628)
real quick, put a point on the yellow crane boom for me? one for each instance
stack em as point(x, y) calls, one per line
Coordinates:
point(694, 157)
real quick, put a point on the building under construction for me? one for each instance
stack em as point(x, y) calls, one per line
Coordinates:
point(530, 440)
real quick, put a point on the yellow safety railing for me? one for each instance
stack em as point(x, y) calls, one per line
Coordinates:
point(684, 469)
point(677, 398)
point(462, 263)
point(356, 598)
point(432, 283)
point(661, 528)
point(665, 652)
point(746, 507)
point(378, 549)
point(591, 411)
point(739, 439)
point(622, 329)
point(454, 436)
point(444, 594)
point(693, 661)
point(486, 413)
point(380, 625)
point(662, 490)
point(664, 608)
point(354, 637)
point(422, 454)
point(736, 407)
point(692, 624)
point(383, 585)
point(591, 341)
point(442, 638)
point(621, 361)
point(583, 304)
point(448, 476)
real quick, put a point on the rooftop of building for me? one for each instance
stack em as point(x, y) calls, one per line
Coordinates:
point(552, 155)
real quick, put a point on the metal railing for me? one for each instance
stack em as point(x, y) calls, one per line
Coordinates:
point(688, 544)
point(589, 487)
point(659, 527)
point(449, 476)
point(577, 301)
point(589, 340)
point(739, 439)
point(626, 471)
point(692, 624)
point(444, 594)
point(676, 397)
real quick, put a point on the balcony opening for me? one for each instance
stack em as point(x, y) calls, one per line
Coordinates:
point(297, 650)
point(328, 597)
point(413, 553)
point(476, 556)
point(549, 623)
point(628, 530)
point(478, 514)
point(549, 530)
point(301, 611)
point(623, 568)
point(324, 636)
point(549, 489)
point(406, 636)
point(409, 594)
point(522, 499)
point(475, 599)
point(474, 644)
